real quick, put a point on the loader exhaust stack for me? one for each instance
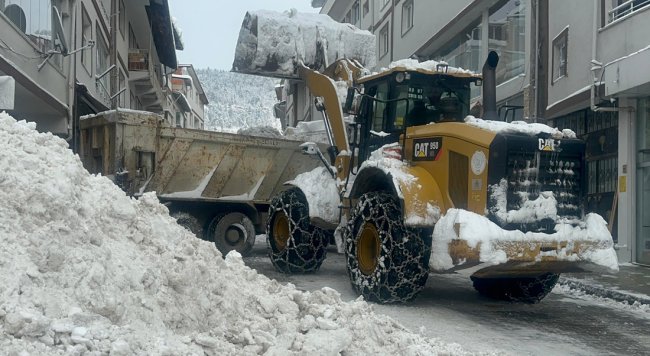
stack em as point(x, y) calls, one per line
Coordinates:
point(490, 87)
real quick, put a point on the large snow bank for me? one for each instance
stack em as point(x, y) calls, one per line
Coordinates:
point(85, 268)
point(477, 229)
point(522, 127)
point(271, 43)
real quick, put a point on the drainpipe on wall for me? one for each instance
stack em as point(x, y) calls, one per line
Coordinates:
point(72, 77)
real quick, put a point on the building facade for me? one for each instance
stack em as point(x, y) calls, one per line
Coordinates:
point(576, 64)
point(69, 58)
point(187, 100)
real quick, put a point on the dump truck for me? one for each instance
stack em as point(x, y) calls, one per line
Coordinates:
point(423, 186)
point(218, 185)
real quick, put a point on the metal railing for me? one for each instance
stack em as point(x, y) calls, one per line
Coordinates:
point(626, 8)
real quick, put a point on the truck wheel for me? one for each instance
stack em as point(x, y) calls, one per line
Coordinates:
point(522, 289)
point(232, 231)
point(296, 246)
point(189, 222)
point(386, 261)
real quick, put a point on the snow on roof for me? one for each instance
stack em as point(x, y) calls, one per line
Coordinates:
point(519, 127)
point(86, 268)
point(122, 110)
point(271, 43)
point(427, 67)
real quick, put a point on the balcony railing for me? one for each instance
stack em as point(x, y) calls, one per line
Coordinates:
point(626, 8)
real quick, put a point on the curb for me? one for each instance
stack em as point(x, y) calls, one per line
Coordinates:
point(604, 292)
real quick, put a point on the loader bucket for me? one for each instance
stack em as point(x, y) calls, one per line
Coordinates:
point(272, 44)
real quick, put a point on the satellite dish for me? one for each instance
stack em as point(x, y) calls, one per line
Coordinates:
point(58, 30)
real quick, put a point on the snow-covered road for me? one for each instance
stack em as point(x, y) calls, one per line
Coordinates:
point(565, 323)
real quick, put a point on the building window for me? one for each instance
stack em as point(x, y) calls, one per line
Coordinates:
point(366, 7)
point(133, 42)
point(383, 40)
point(122, 14)
point(355, 13)
point(348, 17)
point(103, 84)
point(86, 36)
point(33, 18)
point(507, 36)
point(560, 46)
point(407, 16)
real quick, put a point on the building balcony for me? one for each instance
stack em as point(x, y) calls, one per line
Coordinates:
point(624, 63)
point(144, 78)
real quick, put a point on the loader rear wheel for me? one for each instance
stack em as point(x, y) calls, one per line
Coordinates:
point(386, 261)
point(521, 289)
point(232, 231)
point(189, 222)
point(295, 246)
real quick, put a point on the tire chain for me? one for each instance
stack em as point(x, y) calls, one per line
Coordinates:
point(307, 246)
point(403, 267)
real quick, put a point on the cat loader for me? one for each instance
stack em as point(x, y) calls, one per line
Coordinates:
point(406, 158)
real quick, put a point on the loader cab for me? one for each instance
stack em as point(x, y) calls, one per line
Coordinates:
point(399, 99)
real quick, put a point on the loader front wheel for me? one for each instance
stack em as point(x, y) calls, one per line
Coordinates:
point(232, 231)
point(520, 289)
point(295, 246)
point(386, 261)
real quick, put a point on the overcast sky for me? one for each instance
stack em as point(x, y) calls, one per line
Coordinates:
point(210, 28)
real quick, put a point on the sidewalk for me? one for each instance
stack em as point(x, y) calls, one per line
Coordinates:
point(631, 284)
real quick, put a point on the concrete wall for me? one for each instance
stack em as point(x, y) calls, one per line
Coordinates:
point(578, 15)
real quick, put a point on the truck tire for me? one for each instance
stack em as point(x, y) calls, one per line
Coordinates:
point(522, 289)
point(189, 222)
point(295, 246)
point(386, 261)
point(232, 231)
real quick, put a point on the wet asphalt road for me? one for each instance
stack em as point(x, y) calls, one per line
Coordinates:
point(564, 323)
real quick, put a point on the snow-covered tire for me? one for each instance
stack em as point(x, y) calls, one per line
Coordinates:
point(386, 261)
point(189, 222)
point(521, 289)
point(295, 246)
point(232, 231)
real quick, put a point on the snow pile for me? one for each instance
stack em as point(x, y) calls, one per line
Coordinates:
point(519, 127)
point(480, 232)
point(321, 193)
point(271, 43)
point(309, 131)
point(85, 268)
point(260, 131)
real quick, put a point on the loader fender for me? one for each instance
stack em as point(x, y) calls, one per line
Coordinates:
point(421, 200)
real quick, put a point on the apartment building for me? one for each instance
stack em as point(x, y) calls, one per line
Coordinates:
point(34, 62)
point(63, 59)
point(187, 100)
point(574, 64)
point(134, 49)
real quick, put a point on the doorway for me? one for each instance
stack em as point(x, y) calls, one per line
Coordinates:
point(643, 179)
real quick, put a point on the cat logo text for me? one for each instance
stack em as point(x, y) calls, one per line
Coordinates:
point(548, 144)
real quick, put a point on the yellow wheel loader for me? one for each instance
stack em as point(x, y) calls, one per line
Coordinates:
point(422, 185)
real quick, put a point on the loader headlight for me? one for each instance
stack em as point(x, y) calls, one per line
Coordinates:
point(479, 161)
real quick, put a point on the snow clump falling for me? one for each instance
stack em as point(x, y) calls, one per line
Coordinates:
point(84, 268)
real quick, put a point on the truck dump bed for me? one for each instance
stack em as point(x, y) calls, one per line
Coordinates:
point(143, 154)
